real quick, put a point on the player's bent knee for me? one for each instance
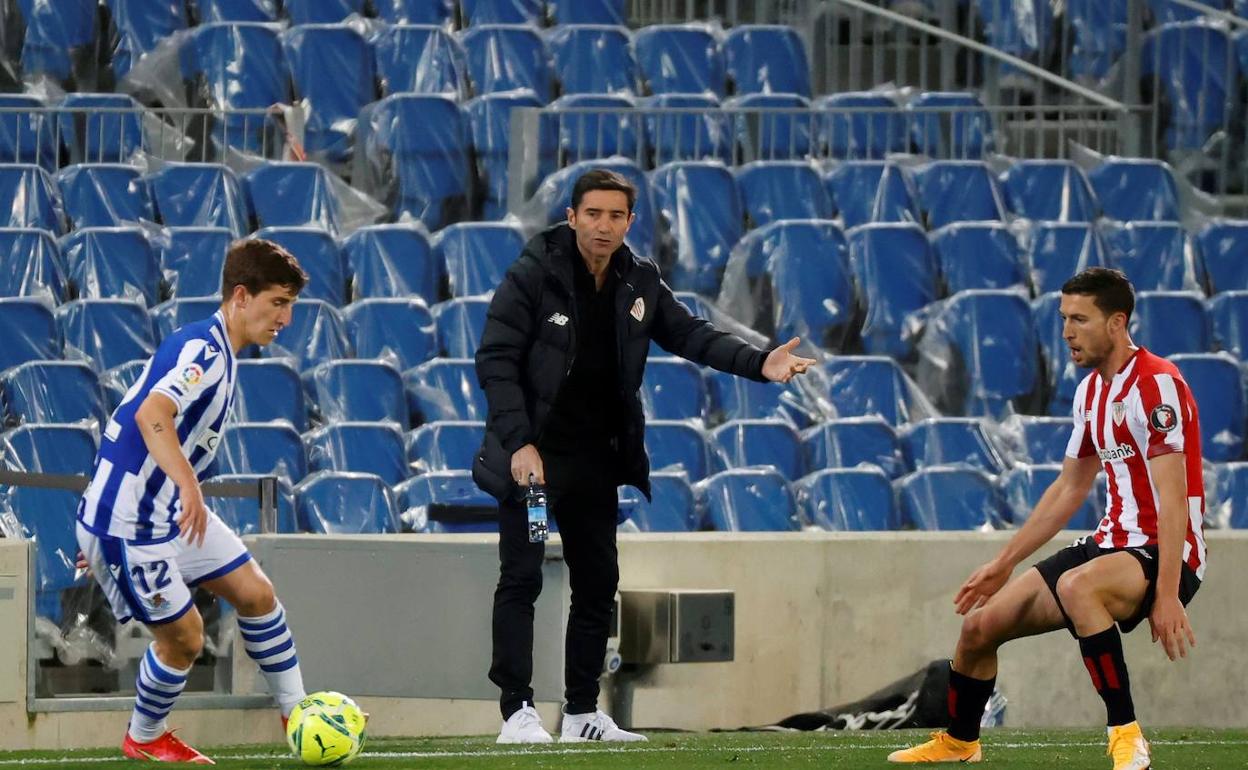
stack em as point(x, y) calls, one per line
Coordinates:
point(978, 632)
point(258, 599)
point(1073, 587)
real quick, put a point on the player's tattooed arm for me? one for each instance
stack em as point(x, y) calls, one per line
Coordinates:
point(157, 428)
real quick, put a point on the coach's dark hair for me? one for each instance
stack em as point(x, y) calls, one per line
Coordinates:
point(601, 179)
point(1109, 289)
point(257, 264)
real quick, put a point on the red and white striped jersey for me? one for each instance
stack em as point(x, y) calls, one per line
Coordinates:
point(1146, 410)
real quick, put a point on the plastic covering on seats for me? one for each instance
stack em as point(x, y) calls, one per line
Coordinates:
point(444, 389)
point(702, 210)
point(28, 198)
point(896, 271)
point(32, 266)
point(747, 500)
point(107, 262)
point(1049, 190)
point(106, 332)
point(445, 498)
point(200, 195)
point(340, 503)
point(371, 324)
point(477, 254)
point(393, 261)
point(450, 445)
point(872, 191)
point(980, 255)
point(767, 59)
point(1058, 250)
point(593, 59)
point(263, 448)
point(508, 58)
point(359, 447)
point(60, 41)
point(423, 59)
point(680, 59)
point(315, 334)
point(849, 500)
point(944, 498)
point(1156, 256)
point(52, 392)
point(30, 330)
point(357, 390)
point(138, 26)
point(104, 195)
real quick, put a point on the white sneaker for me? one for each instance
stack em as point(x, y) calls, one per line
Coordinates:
point(579, 728)
point(524, 726)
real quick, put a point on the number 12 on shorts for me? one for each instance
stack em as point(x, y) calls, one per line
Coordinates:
point(159, 568)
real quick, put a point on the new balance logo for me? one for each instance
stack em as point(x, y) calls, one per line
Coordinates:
point(592, 733)
point(558, 319)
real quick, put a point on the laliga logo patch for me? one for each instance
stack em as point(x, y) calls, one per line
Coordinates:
point(638, 310)
point(1120, 412)
point(1163, 418)
point(191, 375)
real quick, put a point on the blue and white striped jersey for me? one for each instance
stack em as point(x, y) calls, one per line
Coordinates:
point(130, 497)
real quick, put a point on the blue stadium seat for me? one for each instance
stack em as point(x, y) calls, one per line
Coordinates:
point(671, 508)
point(1023, 485)
point(556, 191)
point(107, 262)
point(1215, 379)
point(371, 324)
point(680, 59)
point(459, 324)
point(1022, 29)
point(509, 57)
point(799, 282)
point(178, 312)
point(1061, 374)
point(321, 11)
point(46, 517)
point(849, 500)
point(489, 119)
point(672, 389)
point(1059, 250)
point(1169, 322)
point(1232, 496)
point(596, 126)
point(950, 125)
point(870, 386)
point(242, 514)
point(959, 191)
point(138, 26)
point(27, 132)
point(336, 503)
point(444, 446)
point(116, 382)
point(415, 11)
point(979, 255)
point(849, 442)
point(747, 500)
point(872, 191)
point(703, 230)
point(477, 254)
point(59, 41)
point(28, 198)
point(358, 391)
point(33, 265)
point(847, 131)
point(896, 271)
point(1196, 65)
point(320, 258)
point(501, 11)
point(444, 389)
point(423, 59)
point(392, 261)
point(331, 68)
point(447, 502)
point(772, 190)
point(263, 448)
point(105, 332)
point(1156, 256)
point(768, 442)
point(951, 441)
point(270, 390)
point(773, 126)
point(1228, 312)
point(980, 354)
point(316, 333)
point(95, 130)
point(199, 195)
point(418, 145)
point(593, 59)
point(104, 195)
point(1052, 190)
point(766, 59)
point(359, 447)
point(687, 127)
point(587, 11)
point(944, 498)
point(1100, 35)
point(1168, 11)
point(1132, 189)
point(292, 194)
point(238, 66)
point(738, 398)
point(64, 449)
point(52, 391)
point(1039, 440)
point(681, 446)
point(194, 258)
point(31, 332)
point(207, 11)
point(1223, 244)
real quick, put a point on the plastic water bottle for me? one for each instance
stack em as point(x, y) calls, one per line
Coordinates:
point(535, 500)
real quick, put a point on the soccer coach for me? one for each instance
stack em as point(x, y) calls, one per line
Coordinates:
point(561, 361)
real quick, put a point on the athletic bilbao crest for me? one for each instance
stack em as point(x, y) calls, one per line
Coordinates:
point(638, 310)
point(1163, 418)
point(1120, 412)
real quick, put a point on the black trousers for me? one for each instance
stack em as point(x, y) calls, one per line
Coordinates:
point(582, 500)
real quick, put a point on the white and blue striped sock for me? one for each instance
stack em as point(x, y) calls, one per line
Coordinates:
point(268, 642)
point(157, 689)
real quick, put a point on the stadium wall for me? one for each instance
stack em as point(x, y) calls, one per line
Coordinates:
point(822, 618)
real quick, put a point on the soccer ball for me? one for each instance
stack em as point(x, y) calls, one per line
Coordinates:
point(326, 728)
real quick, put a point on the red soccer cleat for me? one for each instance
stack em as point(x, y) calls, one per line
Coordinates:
point(285, 721)
point(166, 748)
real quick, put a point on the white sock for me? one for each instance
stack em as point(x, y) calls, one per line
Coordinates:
point(158, 687)
point(268, 642)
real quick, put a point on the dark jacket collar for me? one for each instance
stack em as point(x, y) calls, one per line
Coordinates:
point(560, 249)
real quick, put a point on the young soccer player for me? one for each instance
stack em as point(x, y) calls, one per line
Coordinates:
point(1135, 417)
point(142, 525)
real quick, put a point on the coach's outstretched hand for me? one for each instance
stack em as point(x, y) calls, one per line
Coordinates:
point(981, 585)
point(1168, 621)
point(781, 365)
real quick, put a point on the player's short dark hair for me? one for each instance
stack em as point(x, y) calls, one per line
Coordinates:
point(1109, 289)
point(601, 179)
point(257, 264)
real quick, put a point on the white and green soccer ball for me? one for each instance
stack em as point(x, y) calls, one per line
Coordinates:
point(326, 729)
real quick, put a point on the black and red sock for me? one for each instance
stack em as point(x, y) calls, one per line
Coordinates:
point(1102, 655)
point(967, 698)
